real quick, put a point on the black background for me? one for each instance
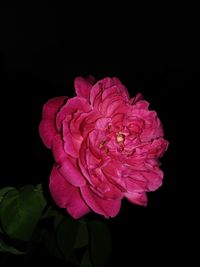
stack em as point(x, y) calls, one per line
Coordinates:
point(153, 50)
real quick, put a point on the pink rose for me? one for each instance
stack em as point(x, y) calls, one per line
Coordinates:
point(106, 147)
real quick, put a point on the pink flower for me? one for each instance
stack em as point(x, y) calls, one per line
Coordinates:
point(105, 145)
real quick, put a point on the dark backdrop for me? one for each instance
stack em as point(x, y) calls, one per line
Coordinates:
point(155, 53)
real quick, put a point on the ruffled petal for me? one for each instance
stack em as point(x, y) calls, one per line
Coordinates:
point(105, 88)
point(136, 99)
point(108, 208)
point(67, 165)
point(83, 86)
point(47, 127)
point(137, 198)
point(67, 196)
point(72, 105)
point(71, 144)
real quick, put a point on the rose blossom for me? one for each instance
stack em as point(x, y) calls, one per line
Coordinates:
point(106, 147)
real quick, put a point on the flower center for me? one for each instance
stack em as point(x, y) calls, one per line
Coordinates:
point(120, 137)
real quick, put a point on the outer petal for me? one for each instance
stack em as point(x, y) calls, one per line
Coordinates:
point(136, 99)
point(98, 89)
point(72, 105)
point(137, 198)
point(154, 175)
point(112, 105)
point(71, 144)
point(66, 195)
point(123, 90)
point(142, 104)
point(67, 164)
point(158, 147)
point(108, 208)
point(83, 86)
point(47, 127)
point(106, 88)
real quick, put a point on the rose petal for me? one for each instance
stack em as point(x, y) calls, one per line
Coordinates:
point(67, 196)
point(157, 148)
point(102, 124)
point(68, 167)
point(98, 89)
point(83, 86)
point(137, 198)
point(108, 93)
point(47, 127)
point(108, 208)
point(109, 105)
point(113, 172)
point(121, 88)
point(142, 104)
point(134, 185)
point(96, 95)
point(105, 88)
point(136, 99)
point(72, 105)
point(154, 176)
point(71, 144)
point(89, 122)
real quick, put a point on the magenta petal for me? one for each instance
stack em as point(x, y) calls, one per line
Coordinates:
point(108, 208)
point(67, 164)
point(67, 196)
point(102, 123)
point(142, 104)
point(97, 90)
point(123, 90)
point(58, 149)
point(134, 185)
point(136, 99)
point(83, 86)
point(137, 198)
point(154, 177)
point(71, 173)
point(71, 144)
point(157, 148)
point(72, 105)
point(47, 127)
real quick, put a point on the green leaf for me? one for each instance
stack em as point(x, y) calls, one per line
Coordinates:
point(10, 249)
point(50, 243)
point(57, 220)
point(39, 192)
point(50, 212)
point(66, 236)
point(33, 244)
point(5, 190)
point(100, 243)
point(82, 235)
point(20, 210)
point(86, 261)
